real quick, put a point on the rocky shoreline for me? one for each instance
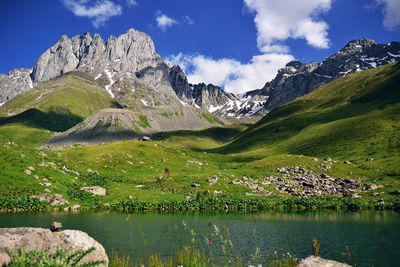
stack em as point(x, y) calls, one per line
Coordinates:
point(40, 239)
point(72, 241)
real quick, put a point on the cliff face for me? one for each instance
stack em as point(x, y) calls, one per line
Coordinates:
point(131, 71)
point(127, 66)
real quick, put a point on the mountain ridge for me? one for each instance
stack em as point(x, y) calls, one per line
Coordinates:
point(131, 71)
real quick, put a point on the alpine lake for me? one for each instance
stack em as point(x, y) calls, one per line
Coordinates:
point(357, 238)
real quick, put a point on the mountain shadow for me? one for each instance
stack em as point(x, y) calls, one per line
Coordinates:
point(56, 120)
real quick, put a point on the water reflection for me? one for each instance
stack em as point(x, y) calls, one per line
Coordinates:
point(365, 238)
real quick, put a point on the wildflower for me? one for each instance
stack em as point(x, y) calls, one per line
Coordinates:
point(216, 229)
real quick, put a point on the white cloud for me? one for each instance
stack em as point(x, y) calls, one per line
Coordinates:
point(98, 12)
point(164, 22)
point(230, 74)
point(188, 20)
point(132, 3)
point(391, 13)
point(277, 21)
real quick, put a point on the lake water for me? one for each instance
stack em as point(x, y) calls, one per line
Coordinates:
point(371, 238)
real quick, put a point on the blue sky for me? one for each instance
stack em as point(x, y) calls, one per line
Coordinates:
point(237, 44)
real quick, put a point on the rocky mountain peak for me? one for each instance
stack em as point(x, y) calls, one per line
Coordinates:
point(131, 51)
point(297, 79)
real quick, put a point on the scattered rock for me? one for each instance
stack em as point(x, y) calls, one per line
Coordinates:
point(42, 154)
point(381, 202)
point(299, 182)
point(95, 190)
point(315, 159)
point(195, 162)
point(31, 239)
point(47, 190)
point(36, 177)
point(217, 192)
point(163, 160)
point(212, 180)
point(31, 168)
point(144, 138)
point(22, 155)
point(56, 226)
point(28, 172)
point(313, 261)
point(52, 199)
point(370, 187)
point(106, 206)
point(328, 159)
point(187, 197)
point(47, 184)
point(195, 185)
point(44, 180)
point(356, 196)
point(130, 197)
point(128, 162)
point(75, 207)
point(139, 186)
point(346, 162)
point(369, 159)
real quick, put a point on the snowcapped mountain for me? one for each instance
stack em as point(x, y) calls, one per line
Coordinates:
point(297, 79)
point(131, 71)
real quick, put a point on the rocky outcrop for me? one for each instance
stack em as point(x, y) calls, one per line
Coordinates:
point(313, 261)
point(297, 79)
point(16, 82)
point(52, 199)
point(31, 239)
point(209, 97)
point(95, 190)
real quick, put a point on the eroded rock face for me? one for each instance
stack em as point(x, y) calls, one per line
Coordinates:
point(313, 261)
point(206, 96)
point(43, 239)
point(127, 66)
point(131, 51)
point(16, 82)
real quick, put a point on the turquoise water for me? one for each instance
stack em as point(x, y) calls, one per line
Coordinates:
point(371, 238)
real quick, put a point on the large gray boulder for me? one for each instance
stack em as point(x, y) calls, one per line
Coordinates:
point(31, 239)
point(313, 261)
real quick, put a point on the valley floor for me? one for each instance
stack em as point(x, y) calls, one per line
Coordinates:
point(184, 170)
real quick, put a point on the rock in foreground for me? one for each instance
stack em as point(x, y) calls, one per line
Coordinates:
point(313, 261)
point(43, 239)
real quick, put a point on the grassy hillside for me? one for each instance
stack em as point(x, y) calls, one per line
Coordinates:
point(354, 117)
point(57, 104)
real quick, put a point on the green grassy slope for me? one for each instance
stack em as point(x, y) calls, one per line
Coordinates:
point(57, 104)
point(354, 117)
